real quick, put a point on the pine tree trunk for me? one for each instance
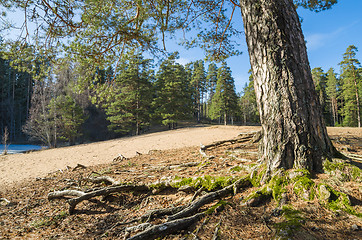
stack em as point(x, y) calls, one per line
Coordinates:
point(294, 133)
point(357, 101)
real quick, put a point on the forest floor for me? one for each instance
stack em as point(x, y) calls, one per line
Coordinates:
point(26, 180)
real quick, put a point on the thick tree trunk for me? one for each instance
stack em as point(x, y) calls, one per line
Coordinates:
point(294, 133)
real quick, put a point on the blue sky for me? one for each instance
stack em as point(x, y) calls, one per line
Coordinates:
point(328, 34)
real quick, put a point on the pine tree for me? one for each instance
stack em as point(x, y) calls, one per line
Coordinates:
point(247, 103)
point(198, 83)
point(351, 85)
point(67, 116)
point(173, 94)
point(211, 79)
point(224, 101)
point(129, 109)
point(332, 95)
point(319, 79)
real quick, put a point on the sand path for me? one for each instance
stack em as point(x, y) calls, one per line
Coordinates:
point(19, 167)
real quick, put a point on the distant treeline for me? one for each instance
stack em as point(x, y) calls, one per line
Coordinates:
point(66, 101)
point(57, 101)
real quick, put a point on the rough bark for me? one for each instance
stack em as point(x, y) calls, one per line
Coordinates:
point(294, 133)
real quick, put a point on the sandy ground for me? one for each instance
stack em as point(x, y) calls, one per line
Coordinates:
point(19, 167)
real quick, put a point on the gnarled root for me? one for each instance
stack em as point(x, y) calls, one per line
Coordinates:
point(81, 196)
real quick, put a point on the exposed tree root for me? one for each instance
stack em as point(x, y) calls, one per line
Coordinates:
point(167, 227)
point(242, 137)
point(258, 198)
point(232, 141)
point(6, 201)
point(81, 196)
point(106, 179)
point(208, 198)
point(216, 232)
point(162, 212)
point(120, 157)
point(181, 218)
point(79, 166)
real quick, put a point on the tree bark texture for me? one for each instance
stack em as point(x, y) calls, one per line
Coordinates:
point(294, 132)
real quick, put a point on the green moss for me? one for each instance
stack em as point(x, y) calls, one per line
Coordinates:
point(158, 186)
point(263, 192)
point(44, 222)
point(212, 209)
point(277, 185)
point(47, 221)
point(207, 182)
point(304, 188)
point(292, 222)
point(303, 184)
point(257, 175)
point(181, 182)
point(348, 171)
point(236, 169)
point(305, 172)
point(211, 183)
point(336, 200)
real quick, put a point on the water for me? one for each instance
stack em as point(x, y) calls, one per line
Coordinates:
point(19, 148)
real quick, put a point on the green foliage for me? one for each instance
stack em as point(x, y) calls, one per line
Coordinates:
point(332, 95)
point(319, 79)
point(316, 5)
point(172, 101)
point(198, 88)
point(68, 117)
point(351, 85)
point(224, 101)
point(127, 101)
point(247, 103)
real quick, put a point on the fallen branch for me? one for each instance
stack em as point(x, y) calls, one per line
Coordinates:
point(202, 150)
point(196, 194)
